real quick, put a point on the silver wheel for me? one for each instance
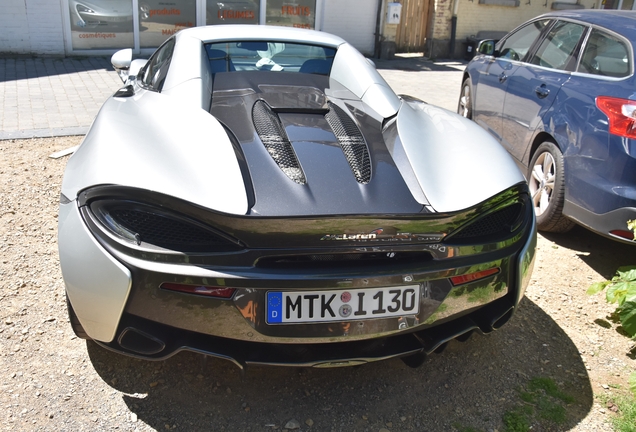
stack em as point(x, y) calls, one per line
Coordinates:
point(546, 181)
point(464, 108)
point(542, 182)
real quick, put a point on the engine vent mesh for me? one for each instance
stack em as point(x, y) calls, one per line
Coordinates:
point(500, 222)
point(167, 232)
point(351, 141)
point(274, 138)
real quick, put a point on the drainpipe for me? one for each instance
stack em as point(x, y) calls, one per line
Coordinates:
point(378, 20)
point(453, 28)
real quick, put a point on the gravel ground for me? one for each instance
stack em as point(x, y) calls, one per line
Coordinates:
point(50, 380)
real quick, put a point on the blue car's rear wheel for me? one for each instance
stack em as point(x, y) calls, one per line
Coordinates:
point(464, 107)
point(546, 179)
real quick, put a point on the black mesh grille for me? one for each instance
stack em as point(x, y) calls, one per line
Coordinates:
point(498, 223)
point(167, 232)
point(343, 260)
point(274, 138)
point(352, 143)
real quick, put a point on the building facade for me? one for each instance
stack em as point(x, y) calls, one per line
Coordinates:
point(99, 27)
point(473, 16)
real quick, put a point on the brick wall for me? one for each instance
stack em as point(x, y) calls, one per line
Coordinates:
point(31, 26)
point(352, 20)
point(473, 17)
point(442, 20)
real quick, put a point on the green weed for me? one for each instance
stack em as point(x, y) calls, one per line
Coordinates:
point(625, 421)
point(543, 402)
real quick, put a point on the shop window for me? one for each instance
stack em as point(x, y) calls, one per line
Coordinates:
point(232, 12)
point(291, 13)
point(160, 19)
point(101, 24)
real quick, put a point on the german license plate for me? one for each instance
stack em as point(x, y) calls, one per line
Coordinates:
point(284, 307)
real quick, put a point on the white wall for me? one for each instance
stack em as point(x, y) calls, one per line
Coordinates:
point(31, 27)
point(352, 20)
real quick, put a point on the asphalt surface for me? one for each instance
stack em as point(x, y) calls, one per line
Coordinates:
point(44, 97)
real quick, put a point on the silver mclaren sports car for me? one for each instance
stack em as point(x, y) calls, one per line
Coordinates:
point(260, 194)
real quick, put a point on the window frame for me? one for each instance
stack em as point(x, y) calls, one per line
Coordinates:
point(574, 55)
point(630, 53)
point(141, 76)
point(533, 45)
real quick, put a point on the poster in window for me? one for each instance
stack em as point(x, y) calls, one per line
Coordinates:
point(158, 20)
point(101, 24)
point(291, 13)
point(232, 12)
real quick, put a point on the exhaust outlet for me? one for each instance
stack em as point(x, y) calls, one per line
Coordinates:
point(140, 342)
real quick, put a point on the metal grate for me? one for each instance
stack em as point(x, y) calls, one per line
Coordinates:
point(351, 142)
point(166, 232)
point(498, 223)
point(274, 138)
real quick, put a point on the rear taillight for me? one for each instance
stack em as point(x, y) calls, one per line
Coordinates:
point(621, 114)
point(210, 291)
point(472, 277)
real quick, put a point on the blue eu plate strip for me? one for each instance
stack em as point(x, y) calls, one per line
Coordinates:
point(274, 307)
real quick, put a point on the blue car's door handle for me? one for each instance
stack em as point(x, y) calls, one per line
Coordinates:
point(541, 91)
point(503, 77)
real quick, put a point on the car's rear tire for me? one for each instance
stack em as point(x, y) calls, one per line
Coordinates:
point(546, 179)
point(75, 324)
point(464, 106)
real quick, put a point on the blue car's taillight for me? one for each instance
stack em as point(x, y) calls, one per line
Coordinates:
point(621, 114)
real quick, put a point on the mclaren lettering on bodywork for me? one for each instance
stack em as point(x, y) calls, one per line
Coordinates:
point(374, 237)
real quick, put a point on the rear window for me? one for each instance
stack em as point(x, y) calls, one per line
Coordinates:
point(605, 55)
point(269, 56)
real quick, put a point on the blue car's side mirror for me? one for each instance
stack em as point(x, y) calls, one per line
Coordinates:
point(486, 47)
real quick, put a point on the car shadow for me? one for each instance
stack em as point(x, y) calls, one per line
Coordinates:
point(21, 67)
point(601, 254)
point(471, 384)
point(420, 64)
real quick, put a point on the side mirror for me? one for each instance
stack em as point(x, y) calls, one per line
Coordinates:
point(372, 63)
point(486, 47)
point(121, 62)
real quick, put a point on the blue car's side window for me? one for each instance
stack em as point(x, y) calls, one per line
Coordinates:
point(605, 55)
point(557, 50)
point(517, 45)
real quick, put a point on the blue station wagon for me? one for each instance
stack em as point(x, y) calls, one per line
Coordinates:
point(559, 93)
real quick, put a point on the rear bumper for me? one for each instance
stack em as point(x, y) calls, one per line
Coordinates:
point(137, 339)
point(145, 321)
point(153, 340)
point(604, 223)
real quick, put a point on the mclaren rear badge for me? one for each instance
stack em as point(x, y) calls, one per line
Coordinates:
point(381, 235)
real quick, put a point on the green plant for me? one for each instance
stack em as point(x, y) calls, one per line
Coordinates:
point(621, 290)
point(626, 420)
point(516, 421)
point(543, 401)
